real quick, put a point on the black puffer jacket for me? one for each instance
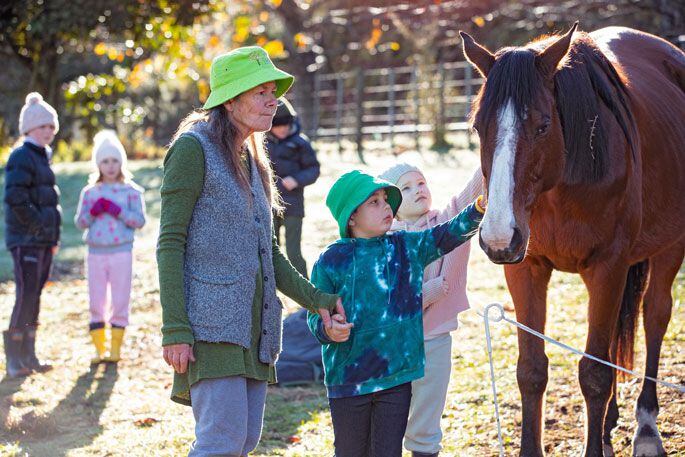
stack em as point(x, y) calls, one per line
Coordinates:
point(293, 156)
point(32, 212)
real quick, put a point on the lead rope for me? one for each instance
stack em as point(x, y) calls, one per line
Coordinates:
point(503, 317)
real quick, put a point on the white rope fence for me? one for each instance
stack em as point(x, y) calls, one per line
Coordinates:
point(502, 317)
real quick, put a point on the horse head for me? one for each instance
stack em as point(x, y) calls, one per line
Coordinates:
point(521, 137)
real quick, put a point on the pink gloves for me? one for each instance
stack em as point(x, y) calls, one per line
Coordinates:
point(102, 205)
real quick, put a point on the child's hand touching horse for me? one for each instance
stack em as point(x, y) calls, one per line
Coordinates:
point(340, 328)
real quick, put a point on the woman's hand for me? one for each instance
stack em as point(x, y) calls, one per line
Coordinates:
point(340, 330)
point(178, 356)
point(326, 315)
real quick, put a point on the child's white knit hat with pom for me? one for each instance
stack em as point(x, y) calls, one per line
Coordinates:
point(106, 144)
point(396, 171)
point(35, 113)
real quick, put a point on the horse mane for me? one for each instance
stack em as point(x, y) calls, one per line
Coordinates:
point(586, 79)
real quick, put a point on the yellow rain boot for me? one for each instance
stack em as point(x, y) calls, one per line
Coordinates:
point(117, 339)
point(98, 337)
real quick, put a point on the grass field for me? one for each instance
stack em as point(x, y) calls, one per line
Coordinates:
point(77, 410)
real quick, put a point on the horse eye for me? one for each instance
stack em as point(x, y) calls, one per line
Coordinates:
point(542, 129)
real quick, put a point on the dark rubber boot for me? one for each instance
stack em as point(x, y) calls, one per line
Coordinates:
point(28, 352)
point(13, 339)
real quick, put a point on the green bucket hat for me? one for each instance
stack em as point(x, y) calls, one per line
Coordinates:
point(351, 190)
point(240, 70)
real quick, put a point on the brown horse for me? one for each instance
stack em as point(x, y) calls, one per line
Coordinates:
point(583, 150)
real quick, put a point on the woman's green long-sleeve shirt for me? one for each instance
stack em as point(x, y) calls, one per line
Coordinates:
point(184, 168)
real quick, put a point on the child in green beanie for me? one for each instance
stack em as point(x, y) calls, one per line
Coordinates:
point(369, 367)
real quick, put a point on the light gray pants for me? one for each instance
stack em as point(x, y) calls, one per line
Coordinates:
point(428, 396)
point(228, 416)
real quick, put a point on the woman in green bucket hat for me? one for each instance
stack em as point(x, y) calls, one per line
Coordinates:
point(219, 265)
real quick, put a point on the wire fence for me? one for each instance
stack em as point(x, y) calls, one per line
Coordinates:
point(501, 317)
point(387, 102)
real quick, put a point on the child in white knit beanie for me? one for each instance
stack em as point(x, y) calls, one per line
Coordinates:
point(444, 296)
point(32, 229)
point(36, 112)
point(111, 207)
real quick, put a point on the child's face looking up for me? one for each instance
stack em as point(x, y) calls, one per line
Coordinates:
point(373, 217)
point(416, 197)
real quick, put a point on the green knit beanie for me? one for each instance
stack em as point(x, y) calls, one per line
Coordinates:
point(351, 190)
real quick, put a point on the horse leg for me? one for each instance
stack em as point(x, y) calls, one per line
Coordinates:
point(657, 314)
point(605, 286)
point(527, 283)
point(611, 419)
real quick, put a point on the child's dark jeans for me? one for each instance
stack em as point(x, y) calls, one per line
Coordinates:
point(371, 425)
point(31, 270)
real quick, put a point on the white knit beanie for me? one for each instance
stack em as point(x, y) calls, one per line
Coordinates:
point(36, 112)
point(395, 172)
point(106, 144)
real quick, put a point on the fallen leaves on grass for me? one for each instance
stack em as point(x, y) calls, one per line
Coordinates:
point(146, 422)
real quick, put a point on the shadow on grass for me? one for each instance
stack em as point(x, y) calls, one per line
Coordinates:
point(76, 418)
point(8, 387)
point(287, 408)
point(85, 403)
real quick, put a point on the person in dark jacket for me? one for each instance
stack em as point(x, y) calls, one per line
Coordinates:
point(32, 229)
point(295, 166)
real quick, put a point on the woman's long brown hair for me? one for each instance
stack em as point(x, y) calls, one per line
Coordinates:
point(224, 132)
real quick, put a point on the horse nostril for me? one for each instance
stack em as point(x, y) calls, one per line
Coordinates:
point(516, 240)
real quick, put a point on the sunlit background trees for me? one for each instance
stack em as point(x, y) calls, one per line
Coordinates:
point(139, 65)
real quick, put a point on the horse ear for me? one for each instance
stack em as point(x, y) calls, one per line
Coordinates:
point(548, 59)
point(480, 57)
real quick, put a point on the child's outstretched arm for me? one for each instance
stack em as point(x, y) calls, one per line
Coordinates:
point(443, 238)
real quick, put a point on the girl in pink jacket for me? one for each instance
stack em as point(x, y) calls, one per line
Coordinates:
point(444, 296)
point(110, 209)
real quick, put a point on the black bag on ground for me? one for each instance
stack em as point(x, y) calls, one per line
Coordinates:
point(300, 360)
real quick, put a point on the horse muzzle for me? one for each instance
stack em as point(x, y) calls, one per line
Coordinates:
point(513, 253)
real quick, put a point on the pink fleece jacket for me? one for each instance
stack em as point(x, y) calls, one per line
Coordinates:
point(439, 309)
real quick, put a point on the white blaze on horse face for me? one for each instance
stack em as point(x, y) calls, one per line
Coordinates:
point(498, 224)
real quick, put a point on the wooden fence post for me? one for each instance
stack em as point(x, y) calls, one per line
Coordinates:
point(360, 114)
point(417, 107)
point(317, 105)
point(391, 108)
point(338, 111)
point(441, 104)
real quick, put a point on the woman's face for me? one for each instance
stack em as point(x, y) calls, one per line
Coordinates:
point(253, 110)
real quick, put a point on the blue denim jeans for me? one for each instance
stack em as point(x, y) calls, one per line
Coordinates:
point(228, 416)
point(371, 425)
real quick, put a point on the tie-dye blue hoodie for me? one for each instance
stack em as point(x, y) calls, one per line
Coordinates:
point(380, 282)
